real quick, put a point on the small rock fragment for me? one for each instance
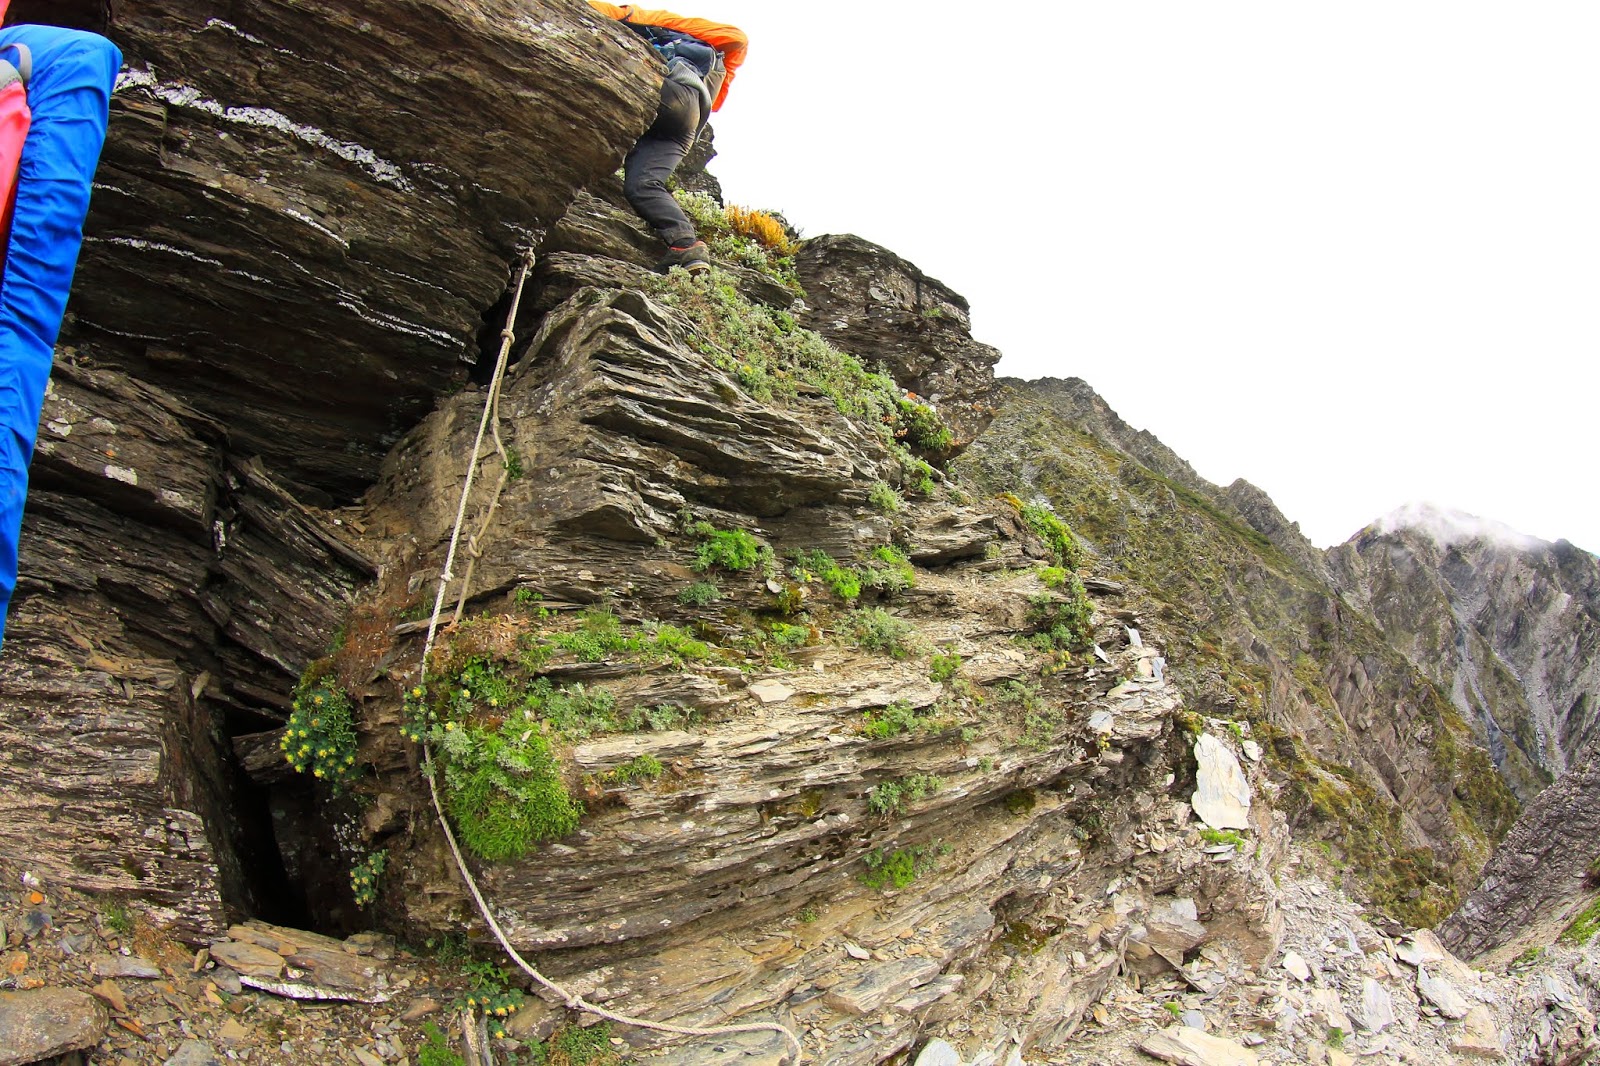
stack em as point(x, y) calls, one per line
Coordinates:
point(939, 1053)
point(1297, 967)
point(1479, 1036)
point(1421, 948)
point(108, 993)
point(1222, 795)
point(420, 1008)
point(1442, 994)
point(232, 1032)
point(126, 966)
point(249, 959)
point(1191, 1047)
point(194, 1053)
point(1377, 1007)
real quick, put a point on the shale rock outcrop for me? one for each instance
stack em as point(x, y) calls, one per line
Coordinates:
point(263, 305)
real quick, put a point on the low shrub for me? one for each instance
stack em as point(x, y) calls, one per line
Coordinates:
point(888, 570)
point(1055, 534)
point(874, 629)
point(944, 667)
point(726, 549)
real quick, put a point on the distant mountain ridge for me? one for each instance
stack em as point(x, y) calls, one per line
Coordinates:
point(1507, 623)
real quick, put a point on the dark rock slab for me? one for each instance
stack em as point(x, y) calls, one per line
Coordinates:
point(266, 229)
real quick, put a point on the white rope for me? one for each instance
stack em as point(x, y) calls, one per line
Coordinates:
point(491, 411)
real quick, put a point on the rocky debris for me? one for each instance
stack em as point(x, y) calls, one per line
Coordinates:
point(196, 1011)
point(1442, 994)
point(1358, 1003)
point(1376, 1010)
point(864, 298)
point(45, 1022)
point(1222, 795)
point(301, 965)
point(1479, 1035)
point(194, 1053)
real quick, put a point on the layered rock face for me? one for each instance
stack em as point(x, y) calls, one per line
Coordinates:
point(300, 216)
point(733, 884)
point(1509, 625)
point(1540, 876)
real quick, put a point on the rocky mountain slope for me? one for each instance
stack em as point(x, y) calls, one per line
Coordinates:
point(1367, 751)
point(772, 685)
point(1509, 625)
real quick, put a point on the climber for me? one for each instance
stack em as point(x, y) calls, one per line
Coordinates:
point(701, 59)
point(53, 116)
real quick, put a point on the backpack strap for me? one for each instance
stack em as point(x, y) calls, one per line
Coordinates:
point(21, 70)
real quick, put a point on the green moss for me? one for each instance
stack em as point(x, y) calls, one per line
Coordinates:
point(890, 798)
point(899, 868)
point(1055, 534)
point(1220, 836)
point(884, 499)
point(600, 635)
point(818, 565)
point(883, 722)
point(888, 570)
point(921, 428)
point(1584, 927)
point(1064, 622)
point(1021, 801)
point(699, 594)
point(436, 1049)
point(640, 768)
point(769, 356)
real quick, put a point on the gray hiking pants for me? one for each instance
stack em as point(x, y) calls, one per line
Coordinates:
point(657, 155)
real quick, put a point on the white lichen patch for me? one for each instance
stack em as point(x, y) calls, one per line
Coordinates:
point(122, 474)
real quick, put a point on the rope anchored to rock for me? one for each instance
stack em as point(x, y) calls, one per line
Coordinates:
point(491, 416)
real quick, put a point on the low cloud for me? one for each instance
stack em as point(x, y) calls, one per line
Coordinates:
point(1449, 527)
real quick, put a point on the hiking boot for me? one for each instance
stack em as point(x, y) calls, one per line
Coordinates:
point(693, 259)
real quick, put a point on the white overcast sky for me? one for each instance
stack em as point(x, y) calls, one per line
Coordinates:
point(1347, 251)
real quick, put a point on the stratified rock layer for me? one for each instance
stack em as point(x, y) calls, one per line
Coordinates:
point(301, 213)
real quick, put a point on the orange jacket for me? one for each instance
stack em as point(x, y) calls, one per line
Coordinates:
point(729, 40)
point(3, 5)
